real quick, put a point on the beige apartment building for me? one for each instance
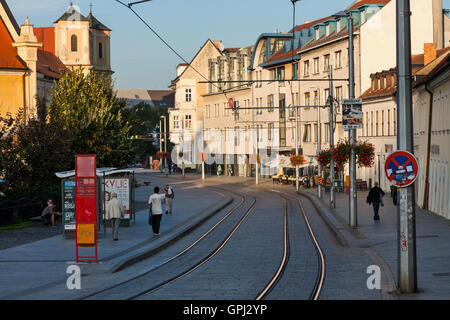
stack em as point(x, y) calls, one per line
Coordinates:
point(228, 135)
point(186, 119)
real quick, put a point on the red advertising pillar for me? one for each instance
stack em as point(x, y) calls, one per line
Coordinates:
point(86, 205)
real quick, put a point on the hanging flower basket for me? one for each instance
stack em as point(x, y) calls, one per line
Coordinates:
point(341, 153)
point(160, 155)
point(167, 155)
point(365, 154)
point(324, 157)
point(297, 160)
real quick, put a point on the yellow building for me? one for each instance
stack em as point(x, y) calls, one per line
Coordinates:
point(31, 59)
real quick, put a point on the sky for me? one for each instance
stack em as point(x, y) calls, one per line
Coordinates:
point(141, 61)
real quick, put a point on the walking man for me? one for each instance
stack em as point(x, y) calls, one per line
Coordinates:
point(219, 170)
point(374, 198)
point(170, 195)
point(114, 211)
point(156, 201)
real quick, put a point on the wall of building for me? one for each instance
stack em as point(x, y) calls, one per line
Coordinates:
point(12, 93)
point(378, 36)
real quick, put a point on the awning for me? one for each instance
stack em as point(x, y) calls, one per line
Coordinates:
point(68, 174)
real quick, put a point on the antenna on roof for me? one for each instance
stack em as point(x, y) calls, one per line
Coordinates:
point(90, 5)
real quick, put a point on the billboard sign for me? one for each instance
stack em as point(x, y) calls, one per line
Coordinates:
point(352, 114)
point(122, 187)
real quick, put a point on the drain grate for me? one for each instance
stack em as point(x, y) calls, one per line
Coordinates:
point(442, 274)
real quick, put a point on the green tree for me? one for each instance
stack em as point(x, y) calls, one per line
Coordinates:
point(32, 151)
point(144, 120)
point(89, 109)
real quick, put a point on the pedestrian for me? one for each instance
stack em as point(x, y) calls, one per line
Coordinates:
point(219, 170)
point(170, 195)
point(156, 201)
point(49, 215)
point(114, 212)
point(394, 194)
point(375, 198)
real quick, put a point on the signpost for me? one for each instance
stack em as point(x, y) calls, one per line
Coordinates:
point(68, 206)
point(401, 168)
point(352, 114)
point(86, 205)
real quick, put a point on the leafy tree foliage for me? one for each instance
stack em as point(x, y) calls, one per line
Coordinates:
point(89, 109)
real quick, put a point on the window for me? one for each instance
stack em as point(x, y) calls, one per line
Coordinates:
point(236, 113)
point(327, 132)
point(307, 133)
point(236, 136)
point(338, 59)
point(316, 133)
point(382, 122)
point(395, 123)
point(270, 104)
point(389, 122)
point(176, 122)
point(306, 68)
point(100, 50)
point(376, 123)
point(316, 65)
point(188, 121)
point(316, 98)
point(339, 94)
point(371, 123)
point(74, 43)
point(188, 95)
point(270, 127)
point(326, 62)
point(307, 99)
point(367, 124)
point(295, 71)
point(208, 111)
point(216, 111)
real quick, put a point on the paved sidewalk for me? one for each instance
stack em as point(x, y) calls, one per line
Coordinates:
point(27, 269)
point(380, 238)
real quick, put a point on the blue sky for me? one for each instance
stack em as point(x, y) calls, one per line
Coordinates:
point(141, 61)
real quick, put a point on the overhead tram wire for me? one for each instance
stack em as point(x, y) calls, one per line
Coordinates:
point(129, 6)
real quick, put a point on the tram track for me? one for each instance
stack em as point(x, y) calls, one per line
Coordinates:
point(320, 277)
point(182, 253)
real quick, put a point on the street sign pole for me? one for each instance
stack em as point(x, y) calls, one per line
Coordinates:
point(331, 101)
point(406, 240)
point(353, 218)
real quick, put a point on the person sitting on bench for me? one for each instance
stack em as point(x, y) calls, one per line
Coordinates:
point(49, 215)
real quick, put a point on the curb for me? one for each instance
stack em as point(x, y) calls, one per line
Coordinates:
point(328, 217)
point(151, 251)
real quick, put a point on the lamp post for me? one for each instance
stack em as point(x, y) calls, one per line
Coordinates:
point(353, 214)
point(319, 138)
point(406, 236)
point(160, 139)
point(165, 140)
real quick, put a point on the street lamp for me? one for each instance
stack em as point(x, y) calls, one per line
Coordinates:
point(353, 218)
point(165, 140)
point(319, 137)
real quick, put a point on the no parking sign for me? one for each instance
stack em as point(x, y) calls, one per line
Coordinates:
point(401, 168)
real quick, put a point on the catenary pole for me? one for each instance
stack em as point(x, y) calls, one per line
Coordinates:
point(331, 101)
point(406, 235)
point(353, 218)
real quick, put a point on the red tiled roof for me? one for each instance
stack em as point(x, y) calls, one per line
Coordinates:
point(47, 37)
point(8, 54)
point(50, 65)
point(310, 24)
point(363, 2)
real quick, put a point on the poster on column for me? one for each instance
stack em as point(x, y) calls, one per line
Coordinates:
point(120, 186)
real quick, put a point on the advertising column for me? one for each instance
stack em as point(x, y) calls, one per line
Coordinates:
point(86, 205)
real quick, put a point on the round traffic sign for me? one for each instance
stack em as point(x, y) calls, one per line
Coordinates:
point(401, 168)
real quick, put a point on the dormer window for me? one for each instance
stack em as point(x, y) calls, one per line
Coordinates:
point(74, 43)
point(100, 50)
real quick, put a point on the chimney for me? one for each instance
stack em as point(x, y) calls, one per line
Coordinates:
point(429, 53)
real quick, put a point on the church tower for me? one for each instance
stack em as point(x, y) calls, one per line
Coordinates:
point(83, 42)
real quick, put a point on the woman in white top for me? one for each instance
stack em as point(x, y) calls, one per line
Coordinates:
point(156, 201)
